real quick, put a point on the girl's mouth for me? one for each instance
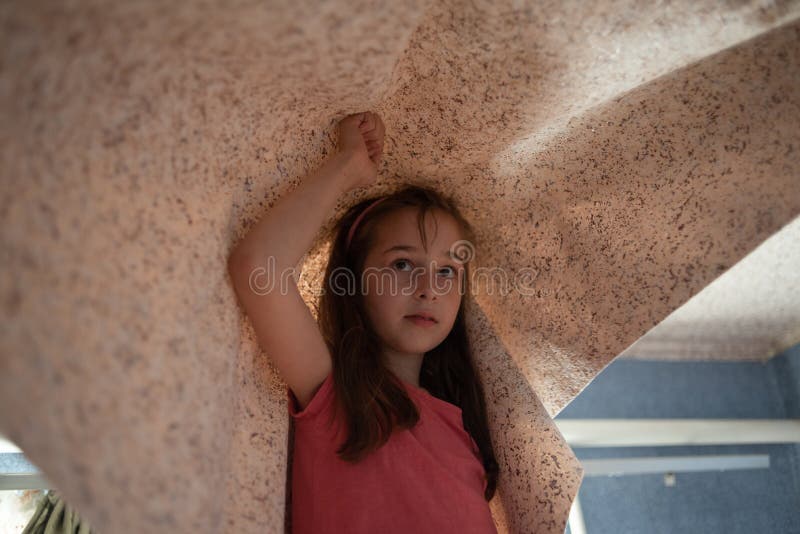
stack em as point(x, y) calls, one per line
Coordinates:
point(420, 321)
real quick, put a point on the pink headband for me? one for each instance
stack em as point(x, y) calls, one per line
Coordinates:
point(358, 220)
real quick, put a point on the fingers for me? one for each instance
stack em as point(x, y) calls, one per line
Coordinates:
point(372, 131)
point(370, 122)
point(354, 119)
point(366, 123)
point(374, 146)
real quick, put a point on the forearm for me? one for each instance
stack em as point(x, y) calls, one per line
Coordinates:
point(287, 230)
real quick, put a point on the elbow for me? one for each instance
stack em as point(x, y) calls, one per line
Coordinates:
point(242, 265)
point(239, 264)
point(239, 269)
point(234, 261)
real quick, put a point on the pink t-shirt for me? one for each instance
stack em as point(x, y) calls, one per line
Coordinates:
point(428, 479)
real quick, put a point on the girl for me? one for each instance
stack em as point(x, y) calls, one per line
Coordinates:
point(391, 433)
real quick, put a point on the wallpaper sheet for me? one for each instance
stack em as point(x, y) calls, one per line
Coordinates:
point(615, 157)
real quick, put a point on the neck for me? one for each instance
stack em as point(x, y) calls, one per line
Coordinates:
point(405, 366)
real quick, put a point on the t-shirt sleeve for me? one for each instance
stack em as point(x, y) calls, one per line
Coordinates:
point(321, 399)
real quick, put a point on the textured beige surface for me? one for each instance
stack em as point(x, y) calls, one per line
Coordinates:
point(750, 313)
point(627, 154)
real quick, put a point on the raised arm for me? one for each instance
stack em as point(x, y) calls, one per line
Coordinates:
point(284, 326)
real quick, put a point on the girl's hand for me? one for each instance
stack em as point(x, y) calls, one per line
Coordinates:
point(361, 140)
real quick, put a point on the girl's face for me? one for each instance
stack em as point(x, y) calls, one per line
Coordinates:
point(402, 279)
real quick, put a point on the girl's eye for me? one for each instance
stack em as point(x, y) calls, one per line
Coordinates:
point(452, 269)
point(401, 261)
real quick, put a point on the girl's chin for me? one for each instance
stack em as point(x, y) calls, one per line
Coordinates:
point(419, 348)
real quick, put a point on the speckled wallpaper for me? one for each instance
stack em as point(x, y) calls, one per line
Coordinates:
point(615, 157)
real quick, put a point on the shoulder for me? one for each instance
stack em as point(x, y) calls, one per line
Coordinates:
point(321, 398)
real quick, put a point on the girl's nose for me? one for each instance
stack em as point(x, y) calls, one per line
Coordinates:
point(426, 285)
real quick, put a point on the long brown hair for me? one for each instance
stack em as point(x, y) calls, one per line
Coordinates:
point(368, 393)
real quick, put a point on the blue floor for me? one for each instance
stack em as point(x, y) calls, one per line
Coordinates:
point(736, 501)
